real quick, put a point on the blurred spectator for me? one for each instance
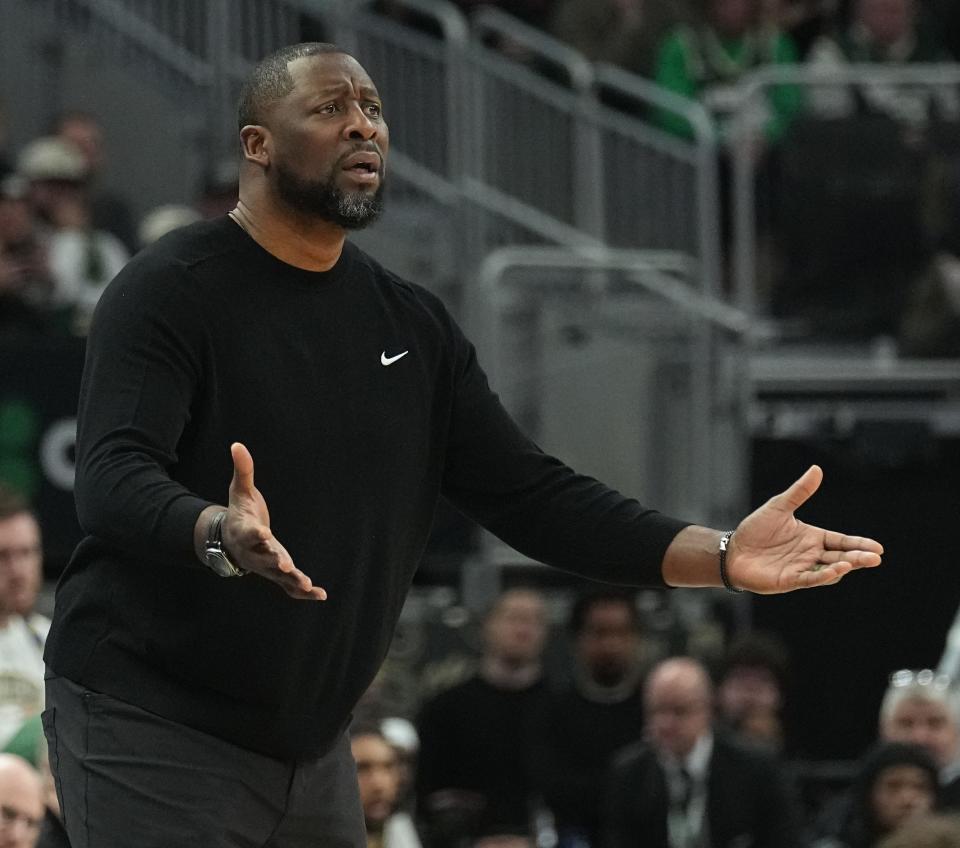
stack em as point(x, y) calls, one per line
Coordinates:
point(706, 60)
point(164, 219)
point(751, 689)
point(896, 782)
point(923, 708)
point(22, 632)
point(884, 32)
point(220, 190)
point(806, 20)
point(919, 708)
point(379, 782)
point(622, 32)
point(26, 282)
point(689, 785)
point(925, 831)
point(108, 211)
point(600, 713)
point(21, 803)
point(930, 324)
point(473, 775)
point(82, 259)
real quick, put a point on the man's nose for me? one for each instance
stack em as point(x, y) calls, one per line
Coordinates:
point(360, 126)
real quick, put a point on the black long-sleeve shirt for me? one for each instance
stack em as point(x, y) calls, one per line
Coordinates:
point(205, 339)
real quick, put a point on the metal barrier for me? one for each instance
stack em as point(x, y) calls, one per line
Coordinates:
point(898, 145)
point(615, 361)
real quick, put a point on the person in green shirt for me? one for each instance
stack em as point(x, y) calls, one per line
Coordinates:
point(707, 60)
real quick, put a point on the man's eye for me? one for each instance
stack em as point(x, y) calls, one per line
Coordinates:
point(327, 109)
point(374, 110)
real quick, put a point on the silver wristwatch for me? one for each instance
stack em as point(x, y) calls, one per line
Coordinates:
point(213, 553)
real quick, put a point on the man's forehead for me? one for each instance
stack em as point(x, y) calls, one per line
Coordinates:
point(328, 72)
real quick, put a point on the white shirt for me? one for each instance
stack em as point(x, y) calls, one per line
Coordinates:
point(688, 829)
point(21, 672)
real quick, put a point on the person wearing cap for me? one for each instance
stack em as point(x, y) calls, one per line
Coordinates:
point(26, 281)
point(82, 259)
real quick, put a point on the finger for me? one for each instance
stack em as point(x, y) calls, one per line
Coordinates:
point(833, 541)
point(801, 490)
point(315, 594)
point(824, 576)
point(858, 559)
point(242, 482)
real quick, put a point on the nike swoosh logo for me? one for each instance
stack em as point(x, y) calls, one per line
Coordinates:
point(389, 360)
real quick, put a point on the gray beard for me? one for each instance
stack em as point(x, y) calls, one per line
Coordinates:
point(322, 199)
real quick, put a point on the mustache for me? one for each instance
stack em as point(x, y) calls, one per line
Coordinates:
point(364, 147)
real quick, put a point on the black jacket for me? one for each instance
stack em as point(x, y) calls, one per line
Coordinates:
point(749, 804)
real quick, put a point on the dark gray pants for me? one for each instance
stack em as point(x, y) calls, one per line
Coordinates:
point(126, 777)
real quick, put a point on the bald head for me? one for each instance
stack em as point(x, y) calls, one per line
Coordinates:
point(21, 802)
point(678, 700)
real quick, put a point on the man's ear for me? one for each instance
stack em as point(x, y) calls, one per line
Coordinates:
point(255, 143)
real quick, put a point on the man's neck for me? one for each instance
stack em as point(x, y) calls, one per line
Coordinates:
point(504, 675)
point(300, 240)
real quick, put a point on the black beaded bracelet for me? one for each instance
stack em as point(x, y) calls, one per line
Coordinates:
point(724, 542)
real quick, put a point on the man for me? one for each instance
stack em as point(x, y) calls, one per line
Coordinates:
point(108, 211)
point(752, 687)
point(473, 771)
point(584, 725)
point(689, 786)
point(924, 708)
point(22, 632)
point(21, 803)
point(378, 778)
point(266, 334)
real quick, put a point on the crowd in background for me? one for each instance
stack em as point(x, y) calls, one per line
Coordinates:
point(630, 746)
point(857, 186)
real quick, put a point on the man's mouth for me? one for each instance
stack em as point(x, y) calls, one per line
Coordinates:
point(363, 162)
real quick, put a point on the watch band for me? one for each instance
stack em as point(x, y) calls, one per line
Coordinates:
point(724, 544)
point(214, 554)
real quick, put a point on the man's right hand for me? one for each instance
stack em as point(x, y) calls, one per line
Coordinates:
point(247, 537)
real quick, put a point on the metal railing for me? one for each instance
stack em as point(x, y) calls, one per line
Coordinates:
point(853, 89)
point(613, 359)
point(536, 157)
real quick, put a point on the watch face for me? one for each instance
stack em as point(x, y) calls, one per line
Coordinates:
point(220, 565)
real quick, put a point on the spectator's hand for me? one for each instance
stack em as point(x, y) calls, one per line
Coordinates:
point(247, 537)
point(771, 551)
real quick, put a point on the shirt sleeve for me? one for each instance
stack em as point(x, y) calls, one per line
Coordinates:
point(534, 502)
point(141, 373)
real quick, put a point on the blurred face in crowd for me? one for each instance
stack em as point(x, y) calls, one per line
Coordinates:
point(20, 564)
point(378, 777)
point(732, 18)
point(677, 702)
point(927, 723)
point(16, 221)
point(608, 645)
point(887, 21)
point(899, 793)
point(21, 803)
point(516, 628)
point(748, 689)
point(85, 134)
